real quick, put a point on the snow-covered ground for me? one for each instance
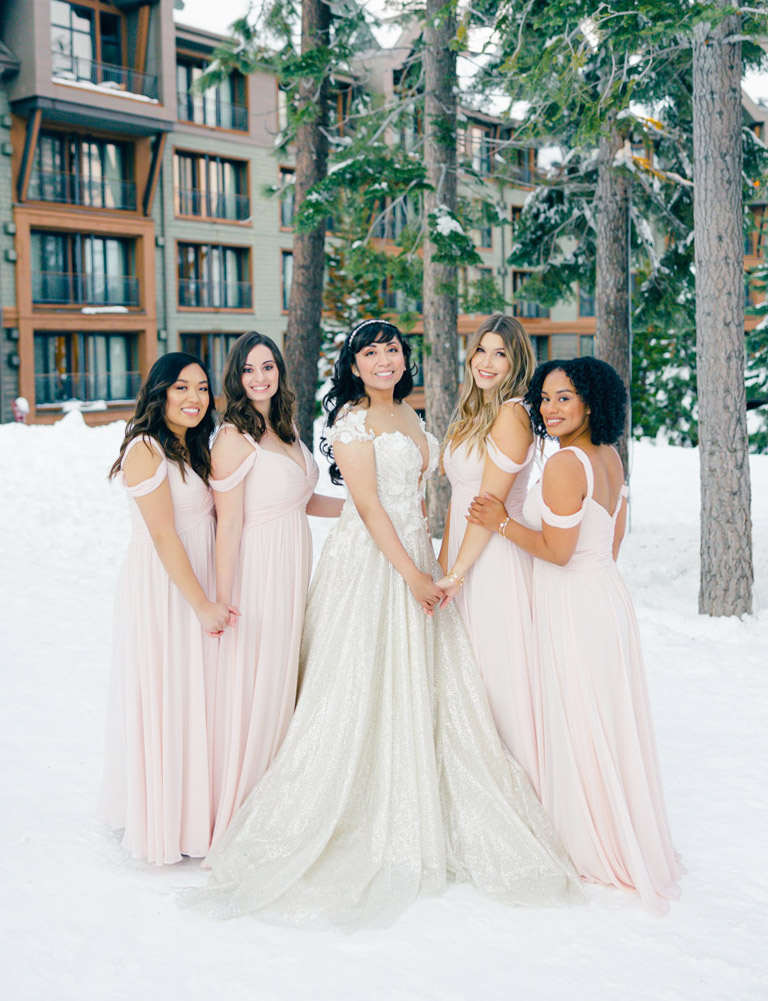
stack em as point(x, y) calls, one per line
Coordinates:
point(80, 921)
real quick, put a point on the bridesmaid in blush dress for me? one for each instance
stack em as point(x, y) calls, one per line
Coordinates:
point(599, 771)
point(489, 447)
point(263, 482)
point(156, 778)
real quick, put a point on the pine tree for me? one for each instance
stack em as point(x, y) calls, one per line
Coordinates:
point(329, 36)
point(726, 526)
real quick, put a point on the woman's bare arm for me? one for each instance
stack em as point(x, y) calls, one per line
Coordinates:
point(564, 486)
point(156, 508)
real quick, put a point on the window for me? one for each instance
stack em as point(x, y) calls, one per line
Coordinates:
point(83, 268)
point(287, 197)
point(212, 350)
point(522, 162)
point(391, 220)
point(282, 108)
point(525, 308)
point(476, 148)
point(92, 366)
point(81, 170)
point(564, 345)
point(213, 276)
point(87, 43)
point(389, 297)
point(343, 101)
point(541, 348)
point(484, 229)
point(223, 106)
point(484, 274)
point(210, 187)
point(515, 214)
point(586, 302)
point(287, 272)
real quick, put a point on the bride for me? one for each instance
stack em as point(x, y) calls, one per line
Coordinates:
point(391, 779)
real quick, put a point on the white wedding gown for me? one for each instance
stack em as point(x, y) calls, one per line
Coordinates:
point(391, 779)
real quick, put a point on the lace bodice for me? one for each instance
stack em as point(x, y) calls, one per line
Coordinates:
point(399, 477)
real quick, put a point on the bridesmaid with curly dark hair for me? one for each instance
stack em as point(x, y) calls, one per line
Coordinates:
point(598, 766)
point(157, 780)
point(263, 482)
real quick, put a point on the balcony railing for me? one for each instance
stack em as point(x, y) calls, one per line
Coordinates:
point(213, 205)
point(57, 387)
point(105, 75)
point(71, 288)
point(215, 295)
point(527, 309)
point(212, 110)
point(100, 193)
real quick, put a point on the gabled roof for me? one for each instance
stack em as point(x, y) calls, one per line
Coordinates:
point(9, 64)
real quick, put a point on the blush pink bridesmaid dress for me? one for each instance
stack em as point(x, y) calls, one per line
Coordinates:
point(259, 658)
point(495, 601)
point(156, 779)
point(599, 769)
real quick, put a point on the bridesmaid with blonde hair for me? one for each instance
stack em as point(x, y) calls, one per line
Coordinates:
point(489, 447)
point(263, 480)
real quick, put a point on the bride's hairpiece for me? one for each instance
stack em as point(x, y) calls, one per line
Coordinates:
point(364, 323)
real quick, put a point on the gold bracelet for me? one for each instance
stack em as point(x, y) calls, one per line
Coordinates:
point(456, 578)
point(503, 527)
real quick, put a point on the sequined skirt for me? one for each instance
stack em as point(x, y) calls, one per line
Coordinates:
point(392, 779)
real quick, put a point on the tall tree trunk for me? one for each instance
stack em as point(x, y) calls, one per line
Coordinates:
point(726, 525)
point(441, 380)
point(305, 306)
point(612, 265)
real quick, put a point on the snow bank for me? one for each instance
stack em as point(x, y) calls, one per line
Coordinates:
point(81, 922)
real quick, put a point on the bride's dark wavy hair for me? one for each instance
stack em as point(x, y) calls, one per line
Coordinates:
point(346, 387)
point(239, 410)
point(149, 418)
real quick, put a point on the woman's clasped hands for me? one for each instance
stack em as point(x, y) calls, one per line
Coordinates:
point(216, 616)
point(426, 591)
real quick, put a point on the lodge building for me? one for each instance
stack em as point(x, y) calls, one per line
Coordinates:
point(135, 214)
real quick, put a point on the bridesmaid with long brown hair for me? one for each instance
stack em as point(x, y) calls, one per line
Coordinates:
point(264, 479)
point(156, 779)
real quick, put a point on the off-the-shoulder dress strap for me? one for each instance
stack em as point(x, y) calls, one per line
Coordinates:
point(501, 459)
point(154, 481)
point(623, 494)
point(348, 427)
point(570, 520)
point(231, 481)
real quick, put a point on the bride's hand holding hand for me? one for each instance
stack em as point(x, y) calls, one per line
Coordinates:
point(425, 591)
point(450, 585)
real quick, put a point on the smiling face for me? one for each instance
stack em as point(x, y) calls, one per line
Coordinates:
point(380, 365)
point(260, 378)
point(562, 409)
point(187, 400)
point(489, 364)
